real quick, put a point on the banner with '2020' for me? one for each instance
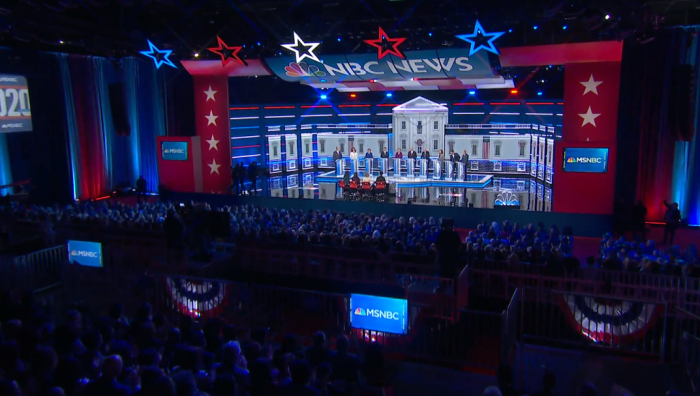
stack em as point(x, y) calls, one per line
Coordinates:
point(15, 109)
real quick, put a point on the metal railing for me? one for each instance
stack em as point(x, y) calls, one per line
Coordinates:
point(686, 345)
point(35, 271)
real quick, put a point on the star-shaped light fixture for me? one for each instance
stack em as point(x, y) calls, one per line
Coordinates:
point(481, 40)
point(589, 117)
point(302, 50)
point(227, 53)
point(591, 85)
point(160, 57)
point(387, 45)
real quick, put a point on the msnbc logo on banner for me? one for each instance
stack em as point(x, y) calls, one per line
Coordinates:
point(383, 314)
point(174, 151)
point(15, 108)
point(589, 160)
point(85, 253)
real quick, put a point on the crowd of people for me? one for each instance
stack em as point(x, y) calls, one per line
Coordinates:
point(149, 355)
point(621, 254)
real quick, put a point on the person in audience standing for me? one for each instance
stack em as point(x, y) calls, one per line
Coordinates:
point(447, 245)
point(345, 365)
point(141, 189)
point(173, 229)
point(673, 221)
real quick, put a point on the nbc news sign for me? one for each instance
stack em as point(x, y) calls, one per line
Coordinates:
point(588, 160)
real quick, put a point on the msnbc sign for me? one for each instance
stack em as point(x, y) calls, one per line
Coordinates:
point(85, 253)
point(589, 160)
point(174, 151)
point(388, 315)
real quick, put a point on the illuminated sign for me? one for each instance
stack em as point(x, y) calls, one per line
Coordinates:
point(447, 63)
point(160, 57)
point(386, 45)
point(226, 53)
point(302, 50)
point(15, 108)
point(481, 40)
point(85, 253)
point(589, 160)
point(389, 315)
point(174, 151)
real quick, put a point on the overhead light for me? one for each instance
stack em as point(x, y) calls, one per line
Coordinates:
point(539, 94)
point(535, 27)
point(607, 16)
point(323, 81)
point(353, 95)
point(338, 38)
point(389, 94)
point(196, 54)
point(472, 92)
point(60, 41)
point(514, 91)
point(510, 30)
point(324, 97)
point(430, 34)
point(564, 27)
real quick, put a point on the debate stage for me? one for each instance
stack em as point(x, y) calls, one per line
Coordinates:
point(403, 181)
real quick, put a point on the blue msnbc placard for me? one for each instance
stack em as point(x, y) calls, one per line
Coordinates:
point(586, 160)
point(85, 253)
point(174, 151)
point(389, 315)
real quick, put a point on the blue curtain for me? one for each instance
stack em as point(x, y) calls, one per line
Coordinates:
point(5, 171)
point(145, 109)
point(73, 142)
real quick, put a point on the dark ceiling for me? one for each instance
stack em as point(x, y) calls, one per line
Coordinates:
point(117, 28)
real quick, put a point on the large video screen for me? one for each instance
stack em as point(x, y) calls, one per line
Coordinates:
point(174, 151)
point(586, 160)
point(15, 109)
point(388, 315)
point(88, 254)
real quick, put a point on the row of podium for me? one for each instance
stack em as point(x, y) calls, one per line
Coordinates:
point(403, 167)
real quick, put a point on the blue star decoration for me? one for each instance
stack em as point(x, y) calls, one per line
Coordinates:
point(481, 40)
point(160, 57)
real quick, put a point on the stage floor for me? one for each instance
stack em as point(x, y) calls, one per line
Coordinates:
point(478, 190)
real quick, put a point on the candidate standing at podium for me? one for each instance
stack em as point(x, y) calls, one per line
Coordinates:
point(465, 161)
point(337, 154)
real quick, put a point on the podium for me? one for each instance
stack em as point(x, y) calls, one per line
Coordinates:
point(410, 167)
point(369, 165)
point(340, 167)
point(449, 169)
point(460, 171)
point(423, 167)
point(437, 169)
point(397, 167)
point(384, 165)
point(354, 166)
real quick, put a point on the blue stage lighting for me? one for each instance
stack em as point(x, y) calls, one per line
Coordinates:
point(323, 81)
point(472, 92)
point(258, 42)
point(535, 27)
point(389, 94)
point(510, 30)
point(539, 94)
point(564, 27)
point(338, 38)
point(324, 97)
point(430, 34)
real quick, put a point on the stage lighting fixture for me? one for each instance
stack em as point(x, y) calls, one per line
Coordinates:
point(535, 27)
point(539, 94)
point(389, 94)
point(353, 95)
point(258, 42)
point(196, 54)
point(510, 30)
point(513, 91)
point(60, 41)
point(323, 81)
point(564, 27)
point(607, 16)
point(430, 34)
point(324, 97)
point(338, 39)
point(472, 92)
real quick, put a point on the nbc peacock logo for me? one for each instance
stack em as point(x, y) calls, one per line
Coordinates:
point(360, 312)
point(571, 160)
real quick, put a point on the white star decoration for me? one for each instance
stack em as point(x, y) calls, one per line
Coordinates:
point(213, 143)
point(589, 117)
point(591, 85)
point(214, 167)
point(211, 118)
point(307, 52)
point(210, 94)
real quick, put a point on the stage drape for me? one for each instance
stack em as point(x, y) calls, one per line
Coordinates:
point(646, 141)
point(5, 171)
point(145, 109)
point(71, 125)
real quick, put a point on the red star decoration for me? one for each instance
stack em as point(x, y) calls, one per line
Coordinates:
point(227, 53)
point(387, 45)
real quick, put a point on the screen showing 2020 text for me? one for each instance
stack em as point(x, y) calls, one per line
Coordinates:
point(174, 151)
point(586, 160)
point(88, 254)
point(389, 315)
point(15, 109)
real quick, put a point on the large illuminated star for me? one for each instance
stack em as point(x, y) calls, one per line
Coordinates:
point(387, 45)
point(476, 40)
point(227, 53)
point(589, 117)
point(302, 50)
point(160, 57)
